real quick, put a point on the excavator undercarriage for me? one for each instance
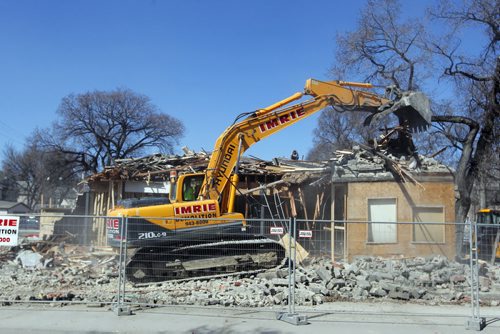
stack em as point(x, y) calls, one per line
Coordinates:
point(204, 258)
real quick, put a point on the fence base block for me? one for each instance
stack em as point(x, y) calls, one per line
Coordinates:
point(122, 310)
point(292, 318)
point(476, 324)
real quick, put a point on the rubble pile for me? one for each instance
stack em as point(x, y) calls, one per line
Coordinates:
point(57, 272)
point(153, 167)
point(425, 280)
point(157, 167)
point(77, 274)
point(361, 162)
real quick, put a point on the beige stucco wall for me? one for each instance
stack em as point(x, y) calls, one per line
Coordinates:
point(408, 196)
point(47, 222)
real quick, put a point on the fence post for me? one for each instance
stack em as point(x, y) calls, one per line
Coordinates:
point(290, 316)
point(290, 294)
point(119, 308)
point(475, 322)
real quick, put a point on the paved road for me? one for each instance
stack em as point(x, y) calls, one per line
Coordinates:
point(330, 318)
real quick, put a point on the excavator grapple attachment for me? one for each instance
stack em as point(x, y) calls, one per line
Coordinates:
point(412, 109)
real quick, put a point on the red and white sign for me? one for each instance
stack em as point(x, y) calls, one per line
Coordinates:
point(305, 234)
point(9, 228)
point(196, 208)
point(113, 223)
point(281, 120)
point(276, 230)
point(113, 228)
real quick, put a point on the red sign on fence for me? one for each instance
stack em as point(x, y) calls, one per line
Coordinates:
point(9, 228)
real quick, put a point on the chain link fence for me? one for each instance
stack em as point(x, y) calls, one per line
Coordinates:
point(57, 259)
point(287, 265)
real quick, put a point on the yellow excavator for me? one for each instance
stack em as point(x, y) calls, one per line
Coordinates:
point(198, 232)
point(488, 234)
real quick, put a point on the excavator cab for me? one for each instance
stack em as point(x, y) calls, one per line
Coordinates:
point(185, 188)
point(191, 187)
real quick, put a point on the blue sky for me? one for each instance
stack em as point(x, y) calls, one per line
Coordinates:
point(203, 62)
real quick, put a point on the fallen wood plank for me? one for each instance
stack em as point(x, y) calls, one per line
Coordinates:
point(292, 204)
point(301, 254)
point(264, 186)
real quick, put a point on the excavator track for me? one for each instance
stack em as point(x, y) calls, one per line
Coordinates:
point(206, 259)
point(209, 277)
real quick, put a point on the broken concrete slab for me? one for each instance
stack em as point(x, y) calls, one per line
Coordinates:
point(324, 274)
point(30, 260)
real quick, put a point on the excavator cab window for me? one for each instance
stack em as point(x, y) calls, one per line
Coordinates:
point(191, 187)
point(173, 193)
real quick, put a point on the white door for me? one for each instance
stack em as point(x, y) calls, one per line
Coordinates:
point(382, 211)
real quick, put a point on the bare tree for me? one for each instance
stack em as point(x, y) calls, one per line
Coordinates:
point(336, 130)
point(32, 173)
point(478, 76)
point(385, 49)
point(8, 188)
point(382, 50)
point(98, 127)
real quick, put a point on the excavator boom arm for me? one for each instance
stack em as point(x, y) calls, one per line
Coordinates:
point(237, 138)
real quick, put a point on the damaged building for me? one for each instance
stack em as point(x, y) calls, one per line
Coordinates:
point(351, 202)
point(372, 193)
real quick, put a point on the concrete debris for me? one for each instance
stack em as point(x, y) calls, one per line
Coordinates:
point(57, 272)
point(365, 163)
point(31, 260)
point(324, 274)
point(81, 274)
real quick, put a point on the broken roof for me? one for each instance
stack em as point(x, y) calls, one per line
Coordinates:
point(364, 163)
point(358, 164)
point(157, 167)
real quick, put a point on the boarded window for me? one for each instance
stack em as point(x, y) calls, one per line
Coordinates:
point(382, 211)
point(433, 229)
